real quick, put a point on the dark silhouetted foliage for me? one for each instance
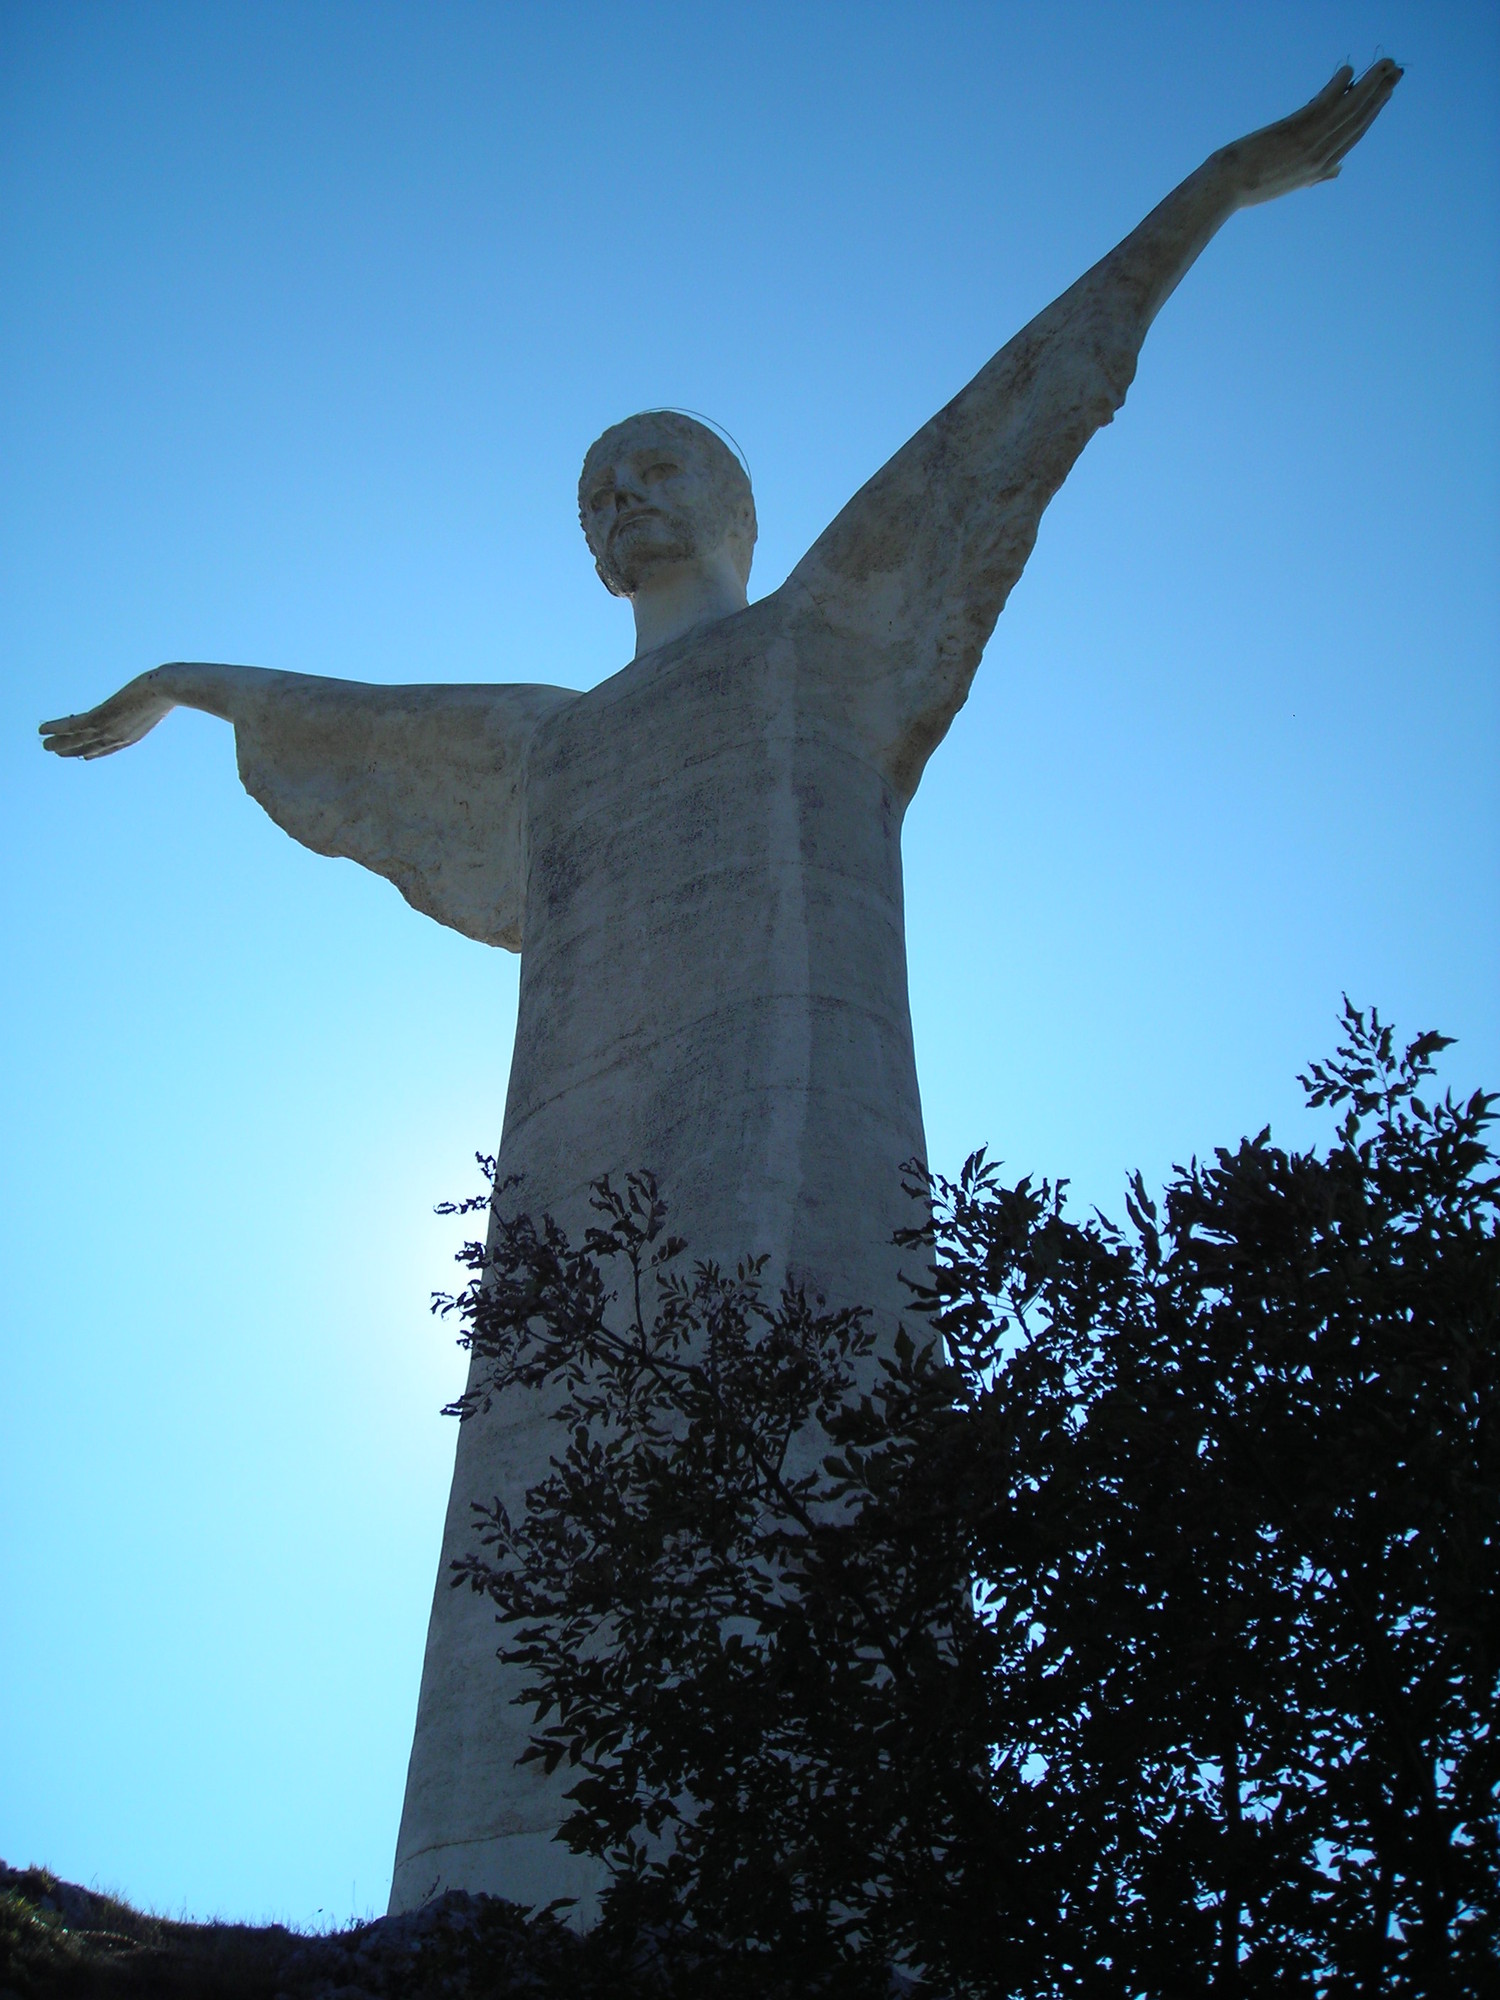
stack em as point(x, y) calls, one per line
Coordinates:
point(1130, 1629)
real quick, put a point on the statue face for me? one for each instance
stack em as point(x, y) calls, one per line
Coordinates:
point(653, 497)
point(643, 509)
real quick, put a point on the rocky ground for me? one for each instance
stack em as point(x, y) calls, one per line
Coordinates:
point(58, 1941)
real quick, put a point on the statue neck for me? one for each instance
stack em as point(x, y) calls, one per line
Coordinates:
point(685, 595)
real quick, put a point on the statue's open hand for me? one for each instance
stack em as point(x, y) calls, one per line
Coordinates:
point(123, 719)
point(1308, 146)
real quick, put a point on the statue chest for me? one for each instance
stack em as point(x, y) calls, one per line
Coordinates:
point(713, 982)
point(698, 829)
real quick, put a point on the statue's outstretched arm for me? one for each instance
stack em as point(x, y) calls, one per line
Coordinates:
point(422, 784)
point(917, 568)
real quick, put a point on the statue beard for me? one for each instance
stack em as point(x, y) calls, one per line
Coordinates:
point(635, 548)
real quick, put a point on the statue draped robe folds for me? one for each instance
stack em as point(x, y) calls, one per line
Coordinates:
point(421, 784)
point(699, 861)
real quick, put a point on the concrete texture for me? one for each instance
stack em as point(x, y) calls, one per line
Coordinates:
point(700, 862)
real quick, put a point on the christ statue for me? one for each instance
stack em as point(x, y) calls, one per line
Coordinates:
point(699, 861)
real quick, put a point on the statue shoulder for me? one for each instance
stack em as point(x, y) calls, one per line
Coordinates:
point(440, 705)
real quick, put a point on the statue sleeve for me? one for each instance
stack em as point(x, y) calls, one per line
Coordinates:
point(423, 785)
point(914, 572)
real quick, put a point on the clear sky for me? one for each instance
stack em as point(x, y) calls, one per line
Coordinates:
point(307, 314)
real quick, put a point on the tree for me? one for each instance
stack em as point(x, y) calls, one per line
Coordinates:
point(1132, 1629)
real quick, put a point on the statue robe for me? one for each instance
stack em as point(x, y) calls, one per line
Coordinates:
point(700, 863)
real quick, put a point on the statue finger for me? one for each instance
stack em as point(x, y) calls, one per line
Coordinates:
point(1371, 94)
point(1333, 90)
point(1349, 131)
point(1362, 106)
point(87, 739)
point(1356, 101)
point(1375, 86)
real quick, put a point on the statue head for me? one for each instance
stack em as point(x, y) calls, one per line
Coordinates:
point(659, 491)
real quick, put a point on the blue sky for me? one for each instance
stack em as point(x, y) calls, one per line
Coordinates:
point(308, 314)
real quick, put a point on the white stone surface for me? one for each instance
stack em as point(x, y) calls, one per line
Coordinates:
point(700, 861)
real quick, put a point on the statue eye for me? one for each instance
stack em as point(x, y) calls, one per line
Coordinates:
point(600, 499)
point(663, 469)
